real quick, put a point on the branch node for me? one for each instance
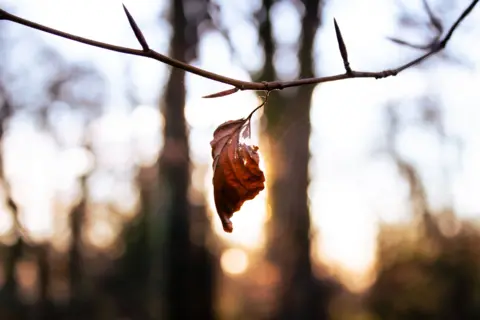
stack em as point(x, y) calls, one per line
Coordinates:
point(342, 47)
point(386, 73)
point(136, 30)
point(267, 86)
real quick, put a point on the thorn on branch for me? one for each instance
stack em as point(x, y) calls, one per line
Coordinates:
point(342, 47)
point(136, 30)
point(221, 93)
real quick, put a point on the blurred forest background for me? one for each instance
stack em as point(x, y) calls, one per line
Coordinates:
point(371, 208)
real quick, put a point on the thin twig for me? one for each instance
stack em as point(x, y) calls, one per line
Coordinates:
point(411, 45)
point(264, 103)
point(434, 20)
point(238, 84)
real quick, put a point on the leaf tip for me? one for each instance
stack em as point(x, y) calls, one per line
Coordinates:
point(227, 226)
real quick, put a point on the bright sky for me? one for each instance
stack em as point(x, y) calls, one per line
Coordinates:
point(351, 181)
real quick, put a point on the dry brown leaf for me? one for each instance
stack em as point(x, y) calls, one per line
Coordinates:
point(236, 174)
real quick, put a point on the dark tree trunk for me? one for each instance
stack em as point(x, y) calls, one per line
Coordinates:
point(44, 308)
point(189, 280)
point(76, 278)
point(175, 176)
point(287, 117)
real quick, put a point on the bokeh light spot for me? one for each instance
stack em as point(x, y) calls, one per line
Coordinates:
point(234, 261)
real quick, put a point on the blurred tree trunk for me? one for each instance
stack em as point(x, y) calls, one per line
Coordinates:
point(9, 291)
point(417, 193)
point(76, 278)
point(189, 280)
point(287, 117)
point(44, 307)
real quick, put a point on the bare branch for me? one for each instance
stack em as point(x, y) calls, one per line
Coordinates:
point(246, 85)
point(241, 85)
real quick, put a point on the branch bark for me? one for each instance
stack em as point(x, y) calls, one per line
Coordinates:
point(434, 48)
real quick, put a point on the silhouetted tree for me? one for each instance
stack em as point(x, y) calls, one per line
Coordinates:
point(189, 274)
point(287, 118)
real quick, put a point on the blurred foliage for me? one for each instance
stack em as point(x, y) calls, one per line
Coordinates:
point(428, 276)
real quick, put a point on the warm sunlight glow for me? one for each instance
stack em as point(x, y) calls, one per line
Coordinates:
point(26, 274)
point(248, 222)
point(347, 229)
point(101, 234)
point(234, 261)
